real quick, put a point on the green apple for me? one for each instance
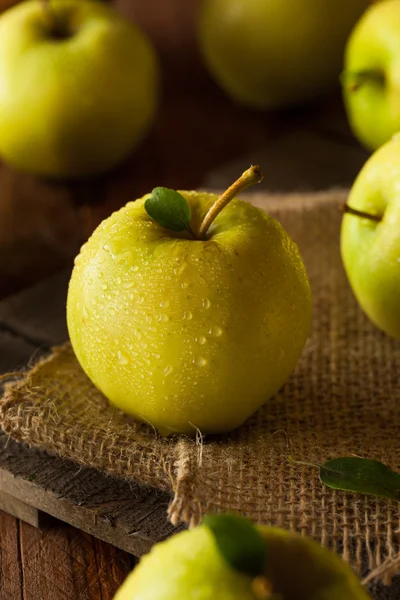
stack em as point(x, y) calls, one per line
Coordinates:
point(78, 87)
point(370, 238)
point(272, 54)
point(371, 75)
point(190, 329)
point(198, 564)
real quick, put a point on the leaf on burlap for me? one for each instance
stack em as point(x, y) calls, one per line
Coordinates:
point(353, 474)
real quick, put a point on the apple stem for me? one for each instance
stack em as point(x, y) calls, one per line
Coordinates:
point(352, 81)
point(359, 213)
point(50, 18)
point(262, 588)
point(249, 177)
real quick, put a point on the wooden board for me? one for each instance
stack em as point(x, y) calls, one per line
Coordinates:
point(129, 516)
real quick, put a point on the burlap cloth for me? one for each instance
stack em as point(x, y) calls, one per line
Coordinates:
point(343, 399)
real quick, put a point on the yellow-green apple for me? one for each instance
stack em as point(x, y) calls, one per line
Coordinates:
point(271, 54)
point(78, 87)
point(370, 238)
point(186, 318)
point(371, 75)
point(228, 558)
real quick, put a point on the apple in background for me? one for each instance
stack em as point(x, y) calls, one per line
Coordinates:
point(189, 329)
point(370, 238)
point(227, 558)
point(371, 75)
point(78, 87)
point(272, 53)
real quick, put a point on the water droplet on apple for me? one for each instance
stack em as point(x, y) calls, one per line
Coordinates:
point(206, 303)
point(104, 286)
point(182, 268)
point(157, 356)
point(188, 315)
point(93, 301)
point(106, 247)
point(199, 361)
point(117, 280)
point(164, 303)
point(85, 312)
point(128, 285)
point(122, 358)
point(184, 285)
point(165, 318)
point(100, 274)
point(168, 370)
point(202, 340)
point(215, 330)
point(134, 268)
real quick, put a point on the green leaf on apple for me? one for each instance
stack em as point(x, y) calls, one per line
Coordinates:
point(169, 209)
point(239, 542)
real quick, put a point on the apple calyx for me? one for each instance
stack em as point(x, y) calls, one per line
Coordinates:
point(361, 214)
point(247, 179)
point(352, 81)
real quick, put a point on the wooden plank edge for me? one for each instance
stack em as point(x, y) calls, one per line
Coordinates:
point(80, 517)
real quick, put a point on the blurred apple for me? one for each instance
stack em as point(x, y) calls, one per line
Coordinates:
point(371, 75)
point(370, 240)
point(272, 54)
point(78, 87)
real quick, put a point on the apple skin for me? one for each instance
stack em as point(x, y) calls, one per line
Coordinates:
point(271, 54)
point(73, 107)
point(373, 107)
point(188, 334)
point(189, 565)
point(371, 250)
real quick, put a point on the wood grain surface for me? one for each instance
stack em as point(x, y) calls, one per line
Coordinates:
point(57, 563)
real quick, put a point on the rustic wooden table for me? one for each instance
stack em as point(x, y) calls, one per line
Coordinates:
point(199, 139)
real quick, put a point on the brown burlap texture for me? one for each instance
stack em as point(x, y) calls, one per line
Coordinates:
point(343, 399)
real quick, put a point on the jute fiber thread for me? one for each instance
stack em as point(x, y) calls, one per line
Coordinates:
point(343, 399)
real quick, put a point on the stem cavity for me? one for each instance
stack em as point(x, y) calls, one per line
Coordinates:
point(249, 178)
point(352, 81)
